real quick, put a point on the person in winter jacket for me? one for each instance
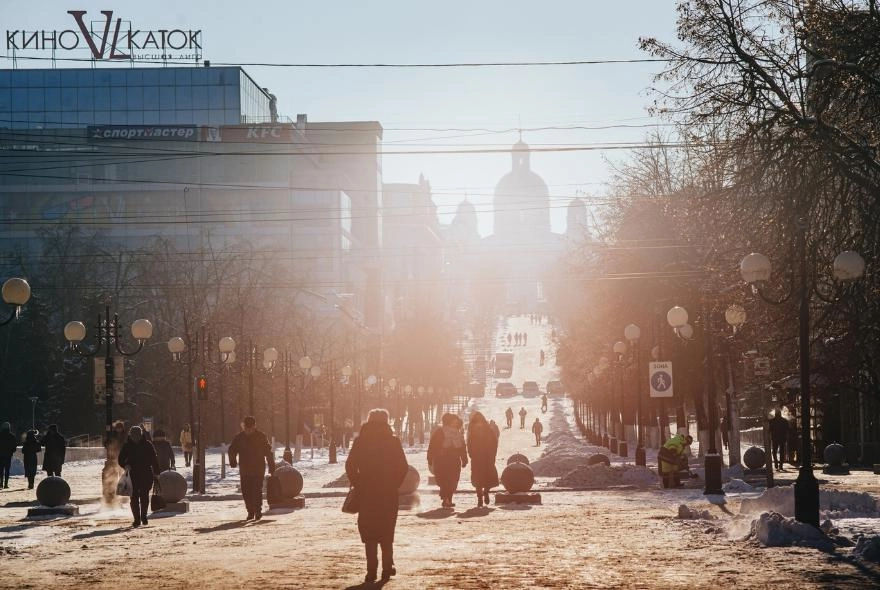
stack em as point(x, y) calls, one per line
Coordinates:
point(494, 428)
point(447, 456)
point(376, 468)
point(522, 418)
point(186, 443)
point(537, 429)
point(29, 451)
point(8, 443)
point(508, 413)
point(482, 446)
point(138, 457)
point(54, 449)
point(164, 452)
point(670, 458)
point(252, 450)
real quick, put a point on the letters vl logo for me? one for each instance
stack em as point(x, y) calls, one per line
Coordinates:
point(108, 18)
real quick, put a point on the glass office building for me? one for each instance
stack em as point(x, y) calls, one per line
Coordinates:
point(76, 98)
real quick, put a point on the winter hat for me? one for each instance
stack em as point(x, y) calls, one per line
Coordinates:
point(135, 433)
point(378, 415)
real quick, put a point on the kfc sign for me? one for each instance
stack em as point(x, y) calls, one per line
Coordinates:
point(109, 39)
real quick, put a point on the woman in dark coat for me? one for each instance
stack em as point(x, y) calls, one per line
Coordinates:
point(164, 452)
point(482, 447)
point(29, 450)
point(138, 456)
point(447, 456)
point(376, 467)
point(54, 449)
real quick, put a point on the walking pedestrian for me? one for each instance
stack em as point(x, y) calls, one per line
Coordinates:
point(54, 449)
point(376, 467)
point(138, 457)
point(186, 443)
point(544, 403)
point(495, 429)
point(251, 448)
point(7, 448)
point(482, 447)
point(164, 452)
point(508, 339)
point(509, 415)
point(537, 429)
point(522, 418)
point(447, 456)
point(525, 339)
point(29, 451)
point(541, 360)
point(778, 438)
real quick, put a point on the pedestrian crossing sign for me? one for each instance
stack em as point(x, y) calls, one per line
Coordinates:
point(661, 379)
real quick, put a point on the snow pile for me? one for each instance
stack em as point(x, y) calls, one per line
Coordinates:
point(735, 472)
point(602, 476)
point(693, 514)
point(738, 486)
point(772, 529)
point(832, 503)
point(339, 482)
point(562, 453)
point(868, 549)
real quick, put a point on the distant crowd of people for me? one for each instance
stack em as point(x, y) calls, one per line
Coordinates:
point(517, 339)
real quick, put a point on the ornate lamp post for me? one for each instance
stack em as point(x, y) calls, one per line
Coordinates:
point(677, 317)
point(199, 355)
point(107, 335)
point(392, 383)
point(632, 333)
point(755, 270)
point(619, 350)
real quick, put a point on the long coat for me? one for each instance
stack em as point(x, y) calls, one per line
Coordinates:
point(140, 460)
point(54, 449)
point(447, 455)
point(252, 453)
point(376, 467)
point(7, 444)
point(29, 451)
point(482, 447)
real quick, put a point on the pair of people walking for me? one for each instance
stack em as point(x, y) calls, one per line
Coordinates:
point(447, 456)
point(53, 457)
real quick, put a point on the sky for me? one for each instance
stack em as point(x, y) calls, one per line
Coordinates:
point(434, 108)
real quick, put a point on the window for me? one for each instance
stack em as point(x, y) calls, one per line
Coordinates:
point(183, 97)
point(36, 100)
point(166, 98)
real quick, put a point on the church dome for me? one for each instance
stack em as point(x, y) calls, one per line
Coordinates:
point(522, 199)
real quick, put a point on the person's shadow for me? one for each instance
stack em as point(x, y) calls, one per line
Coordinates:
point(436, 514)
point(225, 526)
point(476, 511)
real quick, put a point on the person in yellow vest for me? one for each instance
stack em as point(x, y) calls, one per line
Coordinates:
point(186, 443)
point(671, 457)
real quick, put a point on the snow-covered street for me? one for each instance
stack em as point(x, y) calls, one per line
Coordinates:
point(604, 527)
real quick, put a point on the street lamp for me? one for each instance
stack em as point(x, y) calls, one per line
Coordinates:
point(346, 373)
point(107, 335)
point(677, 317)
point(33, 399)
point(200, 354)
point(392, 383)
point(632, 333)
point(755, 269)
point(16, 292)
point(619, 349)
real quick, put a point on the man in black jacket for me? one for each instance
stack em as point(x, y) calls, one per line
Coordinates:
point(138, 456)
point(251, 448)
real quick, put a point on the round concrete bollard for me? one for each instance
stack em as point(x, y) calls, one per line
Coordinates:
point(834, 454)
point(410, 482)
point(518, 458)
point(599, 459)
point(754, 457)
point(172, 486)
point(517, 477)
point(291, 481)
point(53, 491)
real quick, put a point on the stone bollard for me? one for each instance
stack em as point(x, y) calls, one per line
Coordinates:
point(517, 479)
point(518, 458)
point(835, 456)
point(407, 494)
point(755, 458)
point(173, 488)
point(53, 494)
point(284, 486)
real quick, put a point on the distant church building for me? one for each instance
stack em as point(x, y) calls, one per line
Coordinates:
point(514, 260)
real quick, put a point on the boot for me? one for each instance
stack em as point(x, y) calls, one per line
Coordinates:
point(479, 500)
point(486, 498)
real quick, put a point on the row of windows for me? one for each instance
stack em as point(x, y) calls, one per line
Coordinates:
point(17, 120)
point(101, 98)
point(119, 77)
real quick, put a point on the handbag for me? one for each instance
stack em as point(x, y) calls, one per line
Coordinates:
point(351, 504)
point(124, 486)
point(157, 501)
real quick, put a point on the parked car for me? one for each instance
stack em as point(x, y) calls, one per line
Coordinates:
point(555, 388)
point(505, 389)
point(530, 389)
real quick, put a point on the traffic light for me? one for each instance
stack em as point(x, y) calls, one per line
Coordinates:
point(202, 386)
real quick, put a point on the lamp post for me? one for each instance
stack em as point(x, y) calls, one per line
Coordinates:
point(619, 349)
point(392, 383)
point(33, 399)
point(755, 269)
point(632, 333)
point(677, 317)
point(305, 365)
point(287, 367)
point(199, 355)
point(346, 373)
point(270, 357)
point(408, 390)
point(107, 335)
point(16, 292)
